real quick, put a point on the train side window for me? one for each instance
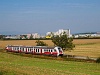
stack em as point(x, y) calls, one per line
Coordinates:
point(54, 50)
point(38, 50)
point(59, 49)
point(15, 48)
point(51, 50)
point(21, 48)
point(28, 49)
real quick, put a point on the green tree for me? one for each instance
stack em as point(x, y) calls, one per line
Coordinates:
point(25, 36)
point(98, 60)
point(1, 36)
point(31, 37)
point(41, 43)
point(63, 41)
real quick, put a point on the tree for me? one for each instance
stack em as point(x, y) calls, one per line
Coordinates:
point(98, 60)
point(25, 36)
point(31, 37)
point(63, 41)
point(40, 43)
point(1, 36)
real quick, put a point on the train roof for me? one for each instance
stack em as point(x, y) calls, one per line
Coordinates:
point(18, 46)
point(44, 47)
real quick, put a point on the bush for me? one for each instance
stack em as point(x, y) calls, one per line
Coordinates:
point(41, 43)
point(98, 60)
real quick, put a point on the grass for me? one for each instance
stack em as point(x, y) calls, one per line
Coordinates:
point(19, 65)
point(91, 50)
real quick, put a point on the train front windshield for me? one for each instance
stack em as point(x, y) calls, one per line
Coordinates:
point(60, 50)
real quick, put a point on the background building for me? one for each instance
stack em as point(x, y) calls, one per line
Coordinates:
point(60, 31)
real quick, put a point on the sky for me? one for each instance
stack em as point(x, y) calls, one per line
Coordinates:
point(41, 16)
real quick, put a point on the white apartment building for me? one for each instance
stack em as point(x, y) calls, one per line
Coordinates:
point(60, 31)
point(35, 35)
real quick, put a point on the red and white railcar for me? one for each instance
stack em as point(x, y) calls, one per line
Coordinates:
point(41, 50)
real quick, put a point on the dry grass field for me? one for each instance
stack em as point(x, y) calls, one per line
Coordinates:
point(22, 42)
point(84, 47)
point(90, 50)
point(85, 41)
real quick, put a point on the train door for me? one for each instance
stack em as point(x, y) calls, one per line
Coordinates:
point(29, 49)
point(23, 49)
point(42, 51)
point(32, 50)
point(16, 49)
point(12, 48)
point(37, 51)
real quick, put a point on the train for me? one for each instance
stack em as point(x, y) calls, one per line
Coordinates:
point(36, 50)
